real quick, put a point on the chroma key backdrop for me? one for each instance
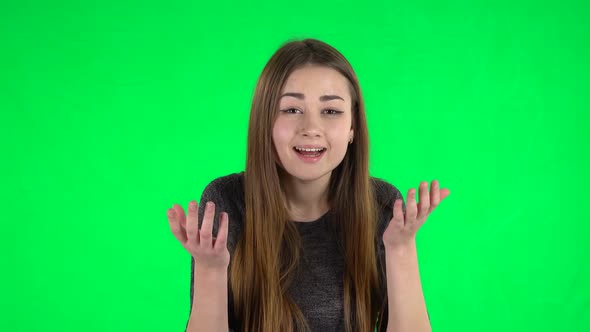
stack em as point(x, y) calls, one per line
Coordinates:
point(113, 111)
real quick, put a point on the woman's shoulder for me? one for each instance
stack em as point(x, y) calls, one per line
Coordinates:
point(227, 193)
point(231, 181)
point(225, 189)
point(385, 192)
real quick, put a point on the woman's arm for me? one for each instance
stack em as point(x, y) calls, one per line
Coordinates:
point(209, 308)
point(407, 308)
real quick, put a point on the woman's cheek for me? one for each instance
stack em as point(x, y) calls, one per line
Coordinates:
point(278, 133)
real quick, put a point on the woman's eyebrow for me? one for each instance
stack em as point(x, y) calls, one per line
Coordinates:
point(302, 96)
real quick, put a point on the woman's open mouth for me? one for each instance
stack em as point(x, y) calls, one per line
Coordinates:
point(309, 155)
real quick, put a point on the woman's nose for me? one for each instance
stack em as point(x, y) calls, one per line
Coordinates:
point(310, 124)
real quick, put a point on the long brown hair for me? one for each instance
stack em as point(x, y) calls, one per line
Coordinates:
point(267, 254)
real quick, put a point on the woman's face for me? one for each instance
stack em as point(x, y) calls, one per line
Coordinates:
point(314, 112)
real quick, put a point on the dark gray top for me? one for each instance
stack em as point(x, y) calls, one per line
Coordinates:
point(318, 290)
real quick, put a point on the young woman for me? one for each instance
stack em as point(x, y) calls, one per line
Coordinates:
point(305, 239)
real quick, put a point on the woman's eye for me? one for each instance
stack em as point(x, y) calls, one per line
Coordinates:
point(327, 111)
point(333, 112)
point(289, 110)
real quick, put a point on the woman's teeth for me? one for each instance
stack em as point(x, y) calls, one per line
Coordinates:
point(313, 152)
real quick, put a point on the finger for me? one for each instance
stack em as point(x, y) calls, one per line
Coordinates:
point(179, 234)
point(221, 240)
point(398, 213)
point(206, 230)
point(424, 200)
point(411, 209)
point(444, 193)
point(192, 222)
point(434, 194)
point(180, 215)
point(179, 212)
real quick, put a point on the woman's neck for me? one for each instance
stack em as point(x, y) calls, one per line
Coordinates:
point(307, 200)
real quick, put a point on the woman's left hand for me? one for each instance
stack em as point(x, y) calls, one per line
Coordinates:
point(402, 230)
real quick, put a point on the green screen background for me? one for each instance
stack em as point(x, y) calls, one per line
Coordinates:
point(112, 112)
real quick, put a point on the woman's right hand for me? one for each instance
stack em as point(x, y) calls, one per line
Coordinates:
point(209, 253)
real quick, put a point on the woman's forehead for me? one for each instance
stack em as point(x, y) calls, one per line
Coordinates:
point(315, 82)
